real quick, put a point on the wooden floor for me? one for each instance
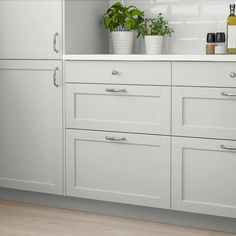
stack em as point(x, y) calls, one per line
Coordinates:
point(29, 220)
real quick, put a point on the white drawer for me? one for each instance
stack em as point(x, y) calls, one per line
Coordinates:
point(204, 176)
point(204, 112)
point(139, 109)
point(214, 74)
point(134, 170)
point(146, 73)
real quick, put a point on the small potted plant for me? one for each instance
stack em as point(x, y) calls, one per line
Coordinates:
point(122, 22)
point(153, 30)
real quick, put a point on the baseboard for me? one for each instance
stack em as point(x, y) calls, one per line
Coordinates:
point(114, 209)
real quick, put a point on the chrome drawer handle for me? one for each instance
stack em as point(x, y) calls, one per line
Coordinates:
point(228, 148)
point(55, 42)
point(228, 94)
point(232, 75)
point(115, 139)
point(115, 72)
point(116, 90)
point(55, 77)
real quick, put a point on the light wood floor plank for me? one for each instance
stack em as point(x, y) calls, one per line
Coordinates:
point(18, 219)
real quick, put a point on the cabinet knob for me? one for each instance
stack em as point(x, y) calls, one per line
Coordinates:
point(115, 72)
point(232, 75)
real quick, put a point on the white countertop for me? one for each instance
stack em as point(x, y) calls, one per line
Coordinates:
point(143, 57)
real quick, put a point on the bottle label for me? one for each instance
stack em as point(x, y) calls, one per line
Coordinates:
point(232, 36)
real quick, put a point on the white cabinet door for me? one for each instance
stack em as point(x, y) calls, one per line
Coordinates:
point(124, 108)
point(204, 112)
point(204, 176)
point(30, 29)
point(118, 167)
point(31, 126)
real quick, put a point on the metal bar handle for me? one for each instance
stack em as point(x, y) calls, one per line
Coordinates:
point(228, 148)
point(116, 90)
point(115, 139)
point(55, 77)
point(55, 42)
point(228, 94)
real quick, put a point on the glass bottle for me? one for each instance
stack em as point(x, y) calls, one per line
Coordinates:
point(231, 25)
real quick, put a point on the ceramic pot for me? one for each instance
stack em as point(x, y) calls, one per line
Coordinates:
point(153, 44)
point(122, 42)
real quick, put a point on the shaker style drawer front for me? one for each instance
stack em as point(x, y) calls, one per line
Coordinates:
point(124, 108)
point(113, 72)
point(204, 112)
point(204, 176)
point(118, 167)
point(214, 74)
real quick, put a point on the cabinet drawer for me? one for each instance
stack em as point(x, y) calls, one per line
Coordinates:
point(204, 176)
point(215, 74)
point(124, 108)
point(146, 73)
point(204, 112)
point(132, 169)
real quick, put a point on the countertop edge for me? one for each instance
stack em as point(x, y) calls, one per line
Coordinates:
point(142, 57)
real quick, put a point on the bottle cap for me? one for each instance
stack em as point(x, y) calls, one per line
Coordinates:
point(232, 8)
point(220, 37)
point(211, 38)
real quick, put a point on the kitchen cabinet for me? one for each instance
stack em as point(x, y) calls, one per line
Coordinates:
point(31, 29)
point(204, 112)
point(31, 126)
point(122, 108)
point(118, 167)
point(204, 176)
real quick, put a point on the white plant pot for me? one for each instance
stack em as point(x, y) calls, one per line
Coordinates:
point(122, 42)
point(153, 44)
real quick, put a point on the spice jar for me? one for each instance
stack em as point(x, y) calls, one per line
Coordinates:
point(210, 46)
point(220, 43)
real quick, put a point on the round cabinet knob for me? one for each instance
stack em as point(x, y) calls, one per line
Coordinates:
point(115, 72)
point(232, 75)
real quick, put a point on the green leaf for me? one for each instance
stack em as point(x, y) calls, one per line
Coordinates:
point(118, 17)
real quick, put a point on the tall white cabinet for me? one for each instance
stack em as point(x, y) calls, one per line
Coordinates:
point(31, 49)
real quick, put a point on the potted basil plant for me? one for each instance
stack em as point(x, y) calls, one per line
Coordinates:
point(153, 30)
point(122, 22)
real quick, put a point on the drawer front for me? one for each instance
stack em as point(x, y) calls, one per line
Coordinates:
point(215, 74)
point(124, 108)
point(131, 169)
point(204, 176)
point(113, 72)
point(204, 112)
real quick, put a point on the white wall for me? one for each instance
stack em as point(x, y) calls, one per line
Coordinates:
point(83, 29)
point(191, 19)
